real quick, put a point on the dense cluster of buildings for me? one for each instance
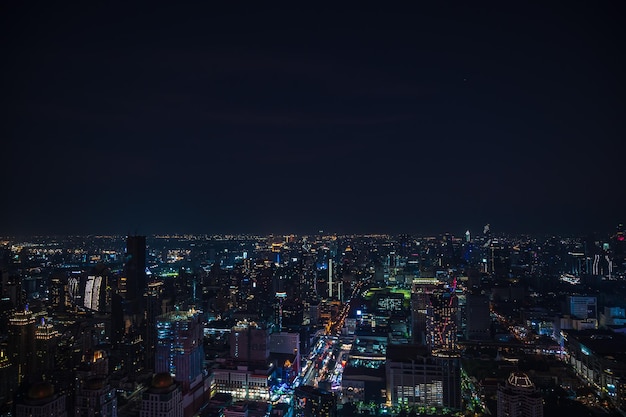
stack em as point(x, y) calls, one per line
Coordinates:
point(318, 325)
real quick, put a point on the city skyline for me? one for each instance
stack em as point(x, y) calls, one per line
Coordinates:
point(321, 325)
point(261, 119)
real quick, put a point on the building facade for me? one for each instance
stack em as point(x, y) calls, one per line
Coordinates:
point(95, 398)
point(22, 347)
point(415, 377)
point(179, 346)
point(41, 400)
point(163, 399)
point(518, 397)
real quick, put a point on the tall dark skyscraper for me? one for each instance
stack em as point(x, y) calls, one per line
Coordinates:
point(478, 317)
point(441, 320)
point(128, 329)
point(22, 342)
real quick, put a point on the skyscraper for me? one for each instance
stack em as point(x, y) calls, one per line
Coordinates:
point(421, 292)
point(154, 308)
point(582, 307)
point(441, 321)
point(478, 317)
point(416, 377)
point(249, 342)
point(46, 340)
point(22, 342)
point(179, 348)
point(519, 397)
point(128, 326)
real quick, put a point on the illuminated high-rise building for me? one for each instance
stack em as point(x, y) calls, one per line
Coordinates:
point(249, 342)
point(92, 297)
point(519, 397)
point(421, 292)
point(128, 312)
point(46, 340)
point(8, 379)
point(22, 342)
point(416, 377)
point(441, 321)
point(179, 346)
point(154, 308)
point(10, 280)
point(582, 307)
point(330, 279)
point(95, 398)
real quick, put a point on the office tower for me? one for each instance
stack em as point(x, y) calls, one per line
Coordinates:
point(58, 293)
point(478, 317)
point(582, 307)
point(247, 374)
point(249, 342)
point(155, 306)
point(8, 379)
point(95, 398)
point(135, 267)
point(244, 382)
point(473, 279)
point(499, 258)
point(314, 402)
point(97, 294)
point(415, 377)
point(450, 365)
point(46, 341)
point(41, 400)
point(421, 290)
point(308, 281)
point(441, 320)
point(330, 278)
point(10, 280)
point(280, 297)
point(22, 343)
point(128, 326)
point(179, 346)
point(519, 397)
point(163, 398)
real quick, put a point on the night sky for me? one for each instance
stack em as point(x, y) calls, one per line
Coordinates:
point(253, 118)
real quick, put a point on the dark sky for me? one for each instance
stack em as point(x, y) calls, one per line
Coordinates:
point(253, 118)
